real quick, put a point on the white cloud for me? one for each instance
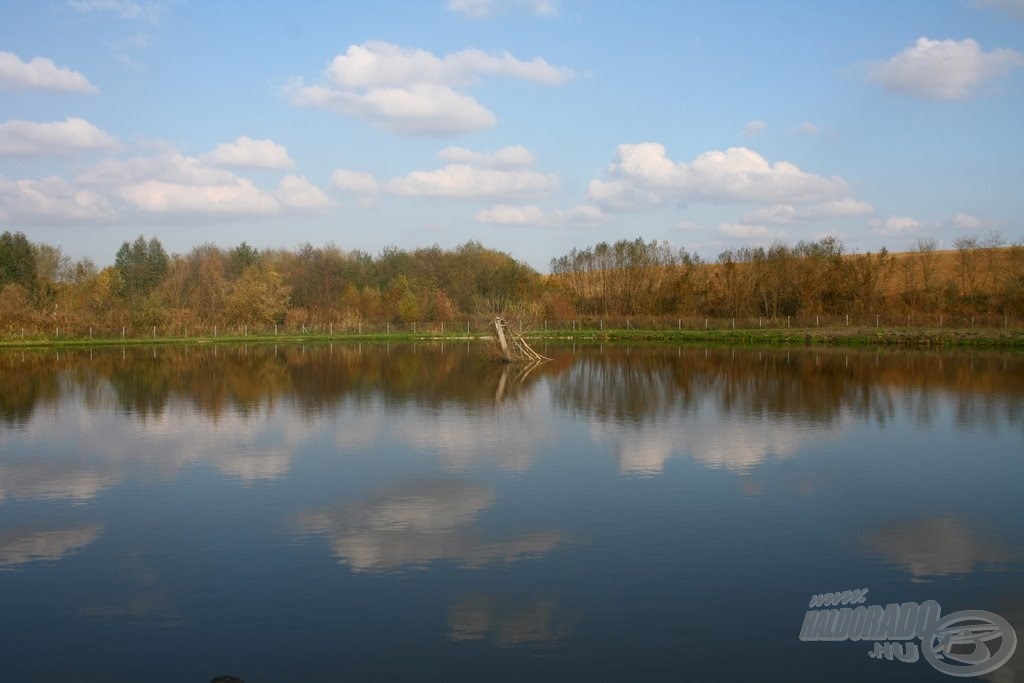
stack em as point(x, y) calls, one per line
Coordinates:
point(745, 231)
point(787, 213)
point(129, 63)
point(50, 199)
point(356, 182)
point(415, 92)
point(459, 181)
point(582, 216)
point(172, 183)
point(752, 128)
point(245, 152)
point(506, 214)
point(40, 74)
point(943, 69)
point(808, 128)
point(295, 192)
point(379, 64)
point(60, 138)
point(966, 221)
point(123, 9)
point(162, 197)
point(422, 109)
point(1014, 8)
point(135, 41)
point(168, 165)
point(484, 9)
point(894, 225)
point(514, 156)
point(642, 175)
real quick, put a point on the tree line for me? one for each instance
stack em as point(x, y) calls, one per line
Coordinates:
point(980, 276)
point(146, 286)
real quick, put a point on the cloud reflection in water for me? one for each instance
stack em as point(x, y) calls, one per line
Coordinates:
point(416, 524)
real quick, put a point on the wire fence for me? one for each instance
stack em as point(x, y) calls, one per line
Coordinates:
point(581, 325)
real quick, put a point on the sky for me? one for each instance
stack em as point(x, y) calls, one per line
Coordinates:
point(531, 126)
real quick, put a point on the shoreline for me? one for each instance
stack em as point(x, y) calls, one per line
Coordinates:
point(811, 336)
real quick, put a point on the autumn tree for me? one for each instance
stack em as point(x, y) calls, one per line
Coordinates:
point(259, 296)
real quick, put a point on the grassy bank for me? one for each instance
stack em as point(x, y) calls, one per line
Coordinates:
point(44, 342)
point(826, 336)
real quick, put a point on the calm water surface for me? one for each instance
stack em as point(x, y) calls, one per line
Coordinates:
point(356, 513)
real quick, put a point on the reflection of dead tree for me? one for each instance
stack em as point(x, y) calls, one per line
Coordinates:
point(512, 345)
point(512, 380)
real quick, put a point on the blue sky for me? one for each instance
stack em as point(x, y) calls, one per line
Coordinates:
point(532, 126)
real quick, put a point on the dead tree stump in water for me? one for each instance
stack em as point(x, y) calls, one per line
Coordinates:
point(511, 344)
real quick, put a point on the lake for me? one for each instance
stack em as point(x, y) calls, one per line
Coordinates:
point(393, 512)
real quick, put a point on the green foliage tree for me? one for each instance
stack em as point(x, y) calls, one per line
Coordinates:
point(141, 264)
point(240, 258)
point(17, 260)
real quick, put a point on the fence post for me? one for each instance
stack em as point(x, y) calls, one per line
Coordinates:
point(122, 332)
point(847, 319)
point(154, 331)
point(734, 323)
point(876, 320)
point(705, 323)
point(387, 328)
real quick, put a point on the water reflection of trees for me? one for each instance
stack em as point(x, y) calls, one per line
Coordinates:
point(242, 378)
point(35, 381)
point(615, 384)
point(637, 385)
